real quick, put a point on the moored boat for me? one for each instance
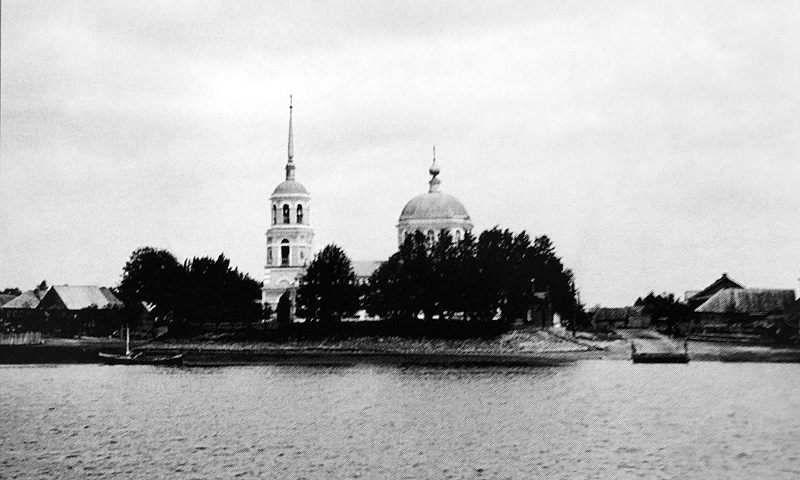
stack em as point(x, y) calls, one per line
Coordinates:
point(141, 359)
point(129, 358)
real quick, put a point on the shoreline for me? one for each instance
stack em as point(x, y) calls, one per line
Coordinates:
point(544, 349)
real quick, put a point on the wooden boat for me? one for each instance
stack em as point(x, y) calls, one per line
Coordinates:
point(660, 357)
point(129, 358)
point(141, 359)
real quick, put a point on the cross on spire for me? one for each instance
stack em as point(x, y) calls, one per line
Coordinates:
point(290, 162)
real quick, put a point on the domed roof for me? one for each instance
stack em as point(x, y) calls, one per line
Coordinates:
point(434, 205)
point(290, 187)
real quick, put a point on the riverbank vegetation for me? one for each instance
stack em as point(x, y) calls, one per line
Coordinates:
point(199, 291)
point(431, 287)
point(494, 276)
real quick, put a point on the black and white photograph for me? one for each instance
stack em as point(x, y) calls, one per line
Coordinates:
point(450, 239)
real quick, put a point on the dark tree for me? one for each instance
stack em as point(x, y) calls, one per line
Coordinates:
point(382, 297)
point(474, 279)
point(415, 282)
point(284, 309)
point(504, 274)
point(422, 277)
point(12, 291)
point(217, 292)
point(266, 312)
point(328, 290)
point(666, 307)
point(153, 276)
point(199, 291)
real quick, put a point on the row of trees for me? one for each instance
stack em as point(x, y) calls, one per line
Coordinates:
point(200, 290)
point(473, 279)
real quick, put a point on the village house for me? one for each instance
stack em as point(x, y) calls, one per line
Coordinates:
point(363, 269)
point(20, 313)
point(695, 298)
point(743, 309)
point(6, 297)
point(608, 319)
point(73, 309)
point(25, 301)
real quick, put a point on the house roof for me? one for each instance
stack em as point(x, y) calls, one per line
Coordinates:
point(365, 268)
point(721, 283)
point(6, 297)
point(748, 300)
point(636, 310)
point(610, 314)
point(78, 297)
point(29, 299)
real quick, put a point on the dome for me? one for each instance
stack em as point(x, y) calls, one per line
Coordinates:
point(434, 206)
point(290, 187)
point(433, 212)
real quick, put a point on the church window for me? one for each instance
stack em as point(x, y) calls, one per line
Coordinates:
point(274, 214)
point(457, 235)
point(286, 214)
point(285, 253)
point(269, 256)
point(430, 236)
point(299, 214)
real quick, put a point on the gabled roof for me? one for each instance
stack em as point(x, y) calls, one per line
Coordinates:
point(78, 297)
point(636, 310)
point(365, 268)
point(29, 299)
point(748, 300)
point(721, 283)
point(610, 314)
point(6, 297)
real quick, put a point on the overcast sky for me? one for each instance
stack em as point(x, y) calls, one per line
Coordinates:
point(656, 143)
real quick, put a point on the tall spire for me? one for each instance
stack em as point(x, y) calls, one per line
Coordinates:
point(434, 171)
point(290, 163)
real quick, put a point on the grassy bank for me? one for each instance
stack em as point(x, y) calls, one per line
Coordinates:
point(515, 347)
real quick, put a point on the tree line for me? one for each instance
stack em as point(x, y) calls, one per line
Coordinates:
point(200, 290)
point(498, 275)
point(475, 279)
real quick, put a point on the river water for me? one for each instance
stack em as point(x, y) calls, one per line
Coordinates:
point(591, 419)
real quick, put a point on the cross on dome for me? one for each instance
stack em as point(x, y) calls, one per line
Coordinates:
point(434, 171)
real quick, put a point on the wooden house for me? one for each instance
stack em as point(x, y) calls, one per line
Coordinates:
point(734, 309)
point(608, 319)
point(698, 297)
point(20, 313)
point(73, 309)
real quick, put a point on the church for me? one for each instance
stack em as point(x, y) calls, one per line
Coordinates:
point(290, 236)
point(433, 212)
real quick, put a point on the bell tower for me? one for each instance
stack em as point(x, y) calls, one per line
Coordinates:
point(289, 235)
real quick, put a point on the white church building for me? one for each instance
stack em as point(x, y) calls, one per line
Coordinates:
point(433, 212)
point(290, 236)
